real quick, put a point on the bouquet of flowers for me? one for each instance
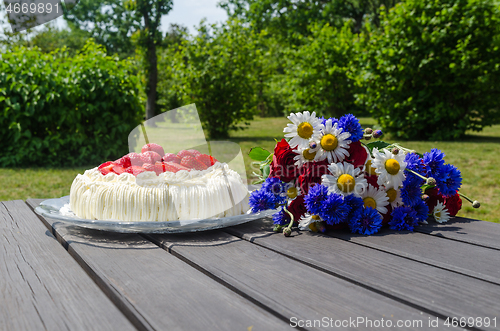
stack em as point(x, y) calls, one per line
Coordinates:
point(324, 174)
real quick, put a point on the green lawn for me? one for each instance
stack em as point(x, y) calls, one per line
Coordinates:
point(476, 156)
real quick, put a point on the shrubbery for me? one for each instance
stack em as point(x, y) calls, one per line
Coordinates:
point(58, 110)
point(318, 74)
point(215, 72)
point(432, 71)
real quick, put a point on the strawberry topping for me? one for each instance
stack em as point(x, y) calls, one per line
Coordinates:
point(170, 157)
point(135, 170)
point(206, 159)
point(150, 157)
point(192, 163)
point(152, 148)
point(194, 152)
point(184, 153)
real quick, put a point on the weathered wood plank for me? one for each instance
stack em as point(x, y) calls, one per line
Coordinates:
point(41, 286)
point(472, 260)
point(287, 287)
point(441, 292)
point(158, 289)
point(468, 230)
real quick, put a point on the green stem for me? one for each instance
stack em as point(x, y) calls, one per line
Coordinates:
point(291, 217)
point(465, 197)
point(416, 173)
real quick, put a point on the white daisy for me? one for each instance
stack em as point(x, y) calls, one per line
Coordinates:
point(303, 127)
point(333, 143)
point(389, 167)
point(307, 154)
point(375, 198)
point(311, 223)
point(394, 196)
point(345, 179)
point(441, 214)
point(369, 169)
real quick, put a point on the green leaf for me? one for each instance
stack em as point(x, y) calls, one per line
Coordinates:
point(377, 144)
point(258, 154)
point(265, 171)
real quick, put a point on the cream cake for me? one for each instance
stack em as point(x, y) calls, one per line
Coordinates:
point(165, 191)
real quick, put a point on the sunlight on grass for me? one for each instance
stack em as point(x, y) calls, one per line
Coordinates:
point(476, 156)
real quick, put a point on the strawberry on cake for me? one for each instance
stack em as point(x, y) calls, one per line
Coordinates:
point(158, 186)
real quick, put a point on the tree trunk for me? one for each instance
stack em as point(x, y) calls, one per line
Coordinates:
point(152, 80)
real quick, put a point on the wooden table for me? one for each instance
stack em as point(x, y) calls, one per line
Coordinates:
point(59, 277)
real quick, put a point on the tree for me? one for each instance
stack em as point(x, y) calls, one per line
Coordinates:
point(432, 71)
point(215, 71)
point(290, 19)
point(113, 22)
point(51, 38)
point(318, 75)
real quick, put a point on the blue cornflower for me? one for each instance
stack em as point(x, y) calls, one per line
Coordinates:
point(434, 160)
point(415, 163)
point(369, 222)
point(403, 218)
point(422, 211)
point(261, 200)
point(323, 120)
point(411, 192)
point(356, 205)
point(349, 123)
point(281, 218)
point(277, 188)
point(334, 210)
point(273, 185)
point(315, 197)
point(450, 180)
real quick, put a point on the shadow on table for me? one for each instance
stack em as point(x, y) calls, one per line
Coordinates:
point(72, 234)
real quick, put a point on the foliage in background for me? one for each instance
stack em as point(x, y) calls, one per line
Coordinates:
point(432, 71)
point(52, 38)
point(215, 72)
point(318, 74)
point(289, 20)
point(168, 96)
point(59, 110)
point(121, 25)
point(109, 22)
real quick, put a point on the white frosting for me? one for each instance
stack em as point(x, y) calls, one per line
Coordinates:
point(186, 195)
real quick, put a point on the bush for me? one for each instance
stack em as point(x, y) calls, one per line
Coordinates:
point(216, 72)
point(318, 74)
point(62, 111)
point(432, 70)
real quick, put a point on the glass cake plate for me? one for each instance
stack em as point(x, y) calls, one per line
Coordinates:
point(58, 210)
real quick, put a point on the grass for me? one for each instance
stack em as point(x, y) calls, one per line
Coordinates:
point(476, 156)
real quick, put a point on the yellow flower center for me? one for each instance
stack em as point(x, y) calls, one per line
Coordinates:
point(438, 214)
point(392, 166)
point(315, 217)
point(369, 169)
point(392, 194)
point(313, 227)
point(329, 142)
point(292, 192)
point(305, 130)
point(370, 202)
point(346, 183)
point(308, 155)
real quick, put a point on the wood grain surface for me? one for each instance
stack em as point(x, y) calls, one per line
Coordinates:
point(435, 290)
point(41, 285)
point(289, 288)
point(471, 260)
point(471, 231)
point(157, 290)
